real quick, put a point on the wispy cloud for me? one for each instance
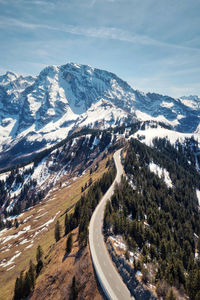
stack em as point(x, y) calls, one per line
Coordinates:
point(95, 32)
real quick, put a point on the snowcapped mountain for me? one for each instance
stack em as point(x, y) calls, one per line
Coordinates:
point(37, 112)
point(191, 101)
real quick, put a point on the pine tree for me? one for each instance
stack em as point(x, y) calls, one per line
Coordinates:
point(39, 253)
point(32, 274)
point(163, 250)
point(69, 243)
point(67, 227)
point(27, 285)
point(17, 291)
point(39, 267)
point(57, 231)
point(16, 223)
point(90, 181)
point(74, 289)
point(19, 287)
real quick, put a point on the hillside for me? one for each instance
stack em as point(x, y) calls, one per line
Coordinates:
point(56, 280)
point(160, 172)
point(154, 218)
point(36, 227)
point(23, 187)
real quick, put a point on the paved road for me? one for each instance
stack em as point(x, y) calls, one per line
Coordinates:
point(109, 278)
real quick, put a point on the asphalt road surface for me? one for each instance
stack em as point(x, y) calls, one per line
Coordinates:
point(110, 280)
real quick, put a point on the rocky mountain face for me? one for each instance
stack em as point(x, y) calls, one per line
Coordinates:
point(37, 112)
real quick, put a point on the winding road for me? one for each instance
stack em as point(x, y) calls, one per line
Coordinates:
point(110, 280)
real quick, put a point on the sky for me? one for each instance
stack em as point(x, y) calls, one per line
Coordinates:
point(154, 45)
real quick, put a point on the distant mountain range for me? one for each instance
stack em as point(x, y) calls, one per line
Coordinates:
point(37, 112)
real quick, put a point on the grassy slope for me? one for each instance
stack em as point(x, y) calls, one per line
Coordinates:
point(56, 278)
point(58, 200)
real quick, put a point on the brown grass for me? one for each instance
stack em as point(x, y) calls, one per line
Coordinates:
point(58, 200)
point(56, 279)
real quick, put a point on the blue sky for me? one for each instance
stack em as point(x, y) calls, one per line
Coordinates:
point(152, 44)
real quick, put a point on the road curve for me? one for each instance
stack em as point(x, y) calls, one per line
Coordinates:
point(110, 280)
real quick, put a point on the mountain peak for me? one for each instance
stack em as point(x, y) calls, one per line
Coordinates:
point(191, 97)
point(8, 77)
point(44, 109)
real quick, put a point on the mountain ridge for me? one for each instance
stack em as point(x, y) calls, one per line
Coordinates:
point(37, 112)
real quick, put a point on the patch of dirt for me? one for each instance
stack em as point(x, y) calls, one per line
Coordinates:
point(56, 278)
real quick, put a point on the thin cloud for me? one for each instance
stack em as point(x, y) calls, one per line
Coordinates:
point(98, 32)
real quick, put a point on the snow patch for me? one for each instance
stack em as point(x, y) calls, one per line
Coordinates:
point(149, 134)
point(49, 222)
point(161, 173)
point(14, 236)
point(10, 268)
point(198, 195)
point(29, 246)
point(5, 263)
point(25, 241)
point(167, 104)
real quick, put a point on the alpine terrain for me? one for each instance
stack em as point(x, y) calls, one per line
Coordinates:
point(99, 188)
point(37, 112)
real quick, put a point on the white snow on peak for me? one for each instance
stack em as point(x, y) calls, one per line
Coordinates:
point(192, 102)
point(161, 173)
point(8, 77)
point(142, 116)
point(167, 104)
point(46, 108)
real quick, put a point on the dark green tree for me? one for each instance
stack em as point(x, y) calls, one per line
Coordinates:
point(19, 286)
point(67, 226)
point(27, 285)
point(74, 289)
point(57, 233)
point(39, 253)
point(69, 243)
point(32, 274)
point(16, 223)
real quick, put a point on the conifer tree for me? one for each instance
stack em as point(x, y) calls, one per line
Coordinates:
point(57, 231)
point(16, 223)
point(67, 227)
point(31, 272)
point(19, 287)
point(74, 289)
point(27, 285)
point(39, 253)
point(17, 291)
point(69, 243)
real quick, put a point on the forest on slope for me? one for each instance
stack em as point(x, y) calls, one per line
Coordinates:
point(158, 218)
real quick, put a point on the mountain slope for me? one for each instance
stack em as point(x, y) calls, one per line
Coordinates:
point(37, 112)
point(155, 211)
